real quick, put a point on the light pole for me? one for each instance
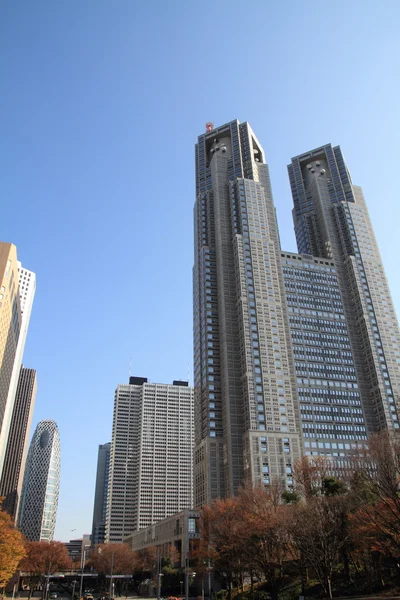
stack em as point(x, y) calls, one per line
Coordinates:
point(209, 580)
point(83, 566)
point(181, 582)
point(73, 588)
point(111, 575)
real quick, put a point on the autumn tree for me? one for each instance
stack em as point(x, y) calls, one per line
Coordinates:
point(12, 548)
point(118, 556)
point(222, 538)
point(375, 488)
point(309, 474)
point(43, 558)
point(265, 534)
point(319, 533)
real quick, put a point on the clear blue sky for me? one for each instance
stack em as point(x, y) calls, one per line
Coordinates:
point(101, 103)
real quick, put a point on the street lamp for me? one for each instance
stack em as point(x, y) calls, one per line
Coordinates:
point(73, 588)
point(111, 575)
point(82, 569)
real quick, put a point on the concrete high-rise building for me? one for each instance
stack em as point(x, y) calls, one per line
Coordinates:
point(331, 221)
point(100, 495)
point(292, 352)
point(332, 415)
point(246, 406)
point(151, 473)
point(17, 446)
point(10, 325)
point(27, 288)
point(39, 499)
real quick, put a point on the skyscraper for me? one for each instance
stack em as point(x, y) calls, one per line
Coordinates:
point(331, 221)
point(292, 352)
point(27, 287)
point(10, 325)
point(100, 495)
point(151, 474)
point(39, 500)
point(17, 445)
point(246, 408)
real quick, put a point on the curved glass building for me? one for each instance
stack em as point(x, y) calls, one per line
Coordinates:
point(39, 501)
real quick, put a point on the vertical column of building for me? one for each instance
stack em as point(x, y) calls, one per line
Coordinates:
point(271, 441)
point(122, 495)
point(10, 325)
point(17, 446)
point(330, 403)
point(255, 383)
point(27, 288)
point(100, 496)
point(209, 477)
point(324, 195)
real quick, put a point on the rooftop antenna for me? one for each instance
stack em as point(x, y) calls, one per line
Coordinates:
point(130, 367)
point(188, 373)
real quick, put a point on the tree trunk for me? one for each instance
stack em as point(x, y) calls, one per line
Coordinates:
point(327, 585)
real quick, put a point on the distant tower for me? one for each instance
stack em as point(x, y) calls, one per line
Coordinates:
point(100, 495)
point(10, 326)
point(39, 501)
point(17, 446)
point(151, 472)
point(27, 288)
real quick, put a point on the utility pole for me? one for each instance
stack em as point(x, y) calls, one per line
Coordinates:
point(111, 575)
point(82, 569)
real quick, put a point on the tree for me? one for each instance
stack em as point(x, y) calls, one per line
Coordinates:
point(222, 538)
point(119, 556)
point(319, 533)
point(12, 548)
point(266, 540)
point(375, 489)
point(309, 473)
point(43, 558)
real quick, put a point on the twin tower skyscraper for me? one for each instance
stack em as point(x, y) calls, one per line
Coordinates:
point(293, 353)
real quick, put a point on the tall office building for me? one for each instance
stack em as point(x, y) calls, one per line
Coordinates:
point(331, 221)
point(39, 499)
point(17, 446)
point(27, 288)
point(100, 494)
point(332, 417)
point(246, 407)
point(151, 474)
point(292, 352)
point(10, 325)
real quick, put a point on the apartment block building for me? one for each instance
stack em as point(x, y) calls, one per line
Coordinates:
point(151, 474)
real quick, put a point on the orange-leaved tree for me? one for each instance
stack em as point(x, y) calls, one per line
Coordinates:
point(222, 536)
point(43, 558)
point(266, 542)
point(12, 548)
point(118, 556)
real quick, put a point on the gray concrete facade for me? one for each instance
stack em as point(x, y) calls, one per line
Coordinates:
point(100, 494)
point(151, 456)
point(331, 220)
point(246, 408)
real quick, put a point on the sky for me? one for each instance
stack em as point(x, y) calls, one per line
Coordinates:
point(101, 104)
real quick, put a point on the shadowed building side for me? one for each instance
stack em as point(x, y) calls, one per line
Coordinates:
point(18, 441)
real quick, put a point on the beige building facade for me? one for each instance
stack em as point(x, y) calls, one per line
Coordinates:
point(10, 325)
